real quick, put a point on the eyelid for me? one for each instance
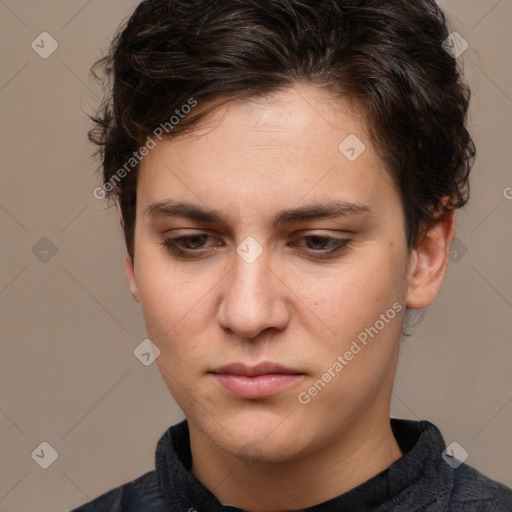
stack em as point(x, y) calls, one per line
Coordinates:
point(340, 246)
point(178, 233)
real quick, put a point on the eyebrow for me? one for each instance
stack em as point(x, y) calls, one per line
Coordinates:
point(314, 211)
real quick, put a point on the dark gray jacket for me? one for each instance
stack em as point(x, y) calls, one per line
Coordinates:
point(421, 480)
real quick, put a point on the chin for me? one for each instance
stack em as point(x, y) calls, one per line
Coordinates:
point(263, 436)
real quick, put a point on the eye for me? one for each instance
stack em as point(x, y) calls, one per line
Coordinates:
point(195, 246)
point(187, 246)
point(323, 246)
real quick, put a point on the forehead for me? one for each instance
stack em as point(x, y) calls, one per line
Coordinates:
point(301, 143)
point(296, 115)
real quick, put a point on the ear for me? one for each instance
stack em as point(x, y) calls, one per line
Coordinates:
point(429, 261)
point(129, 270)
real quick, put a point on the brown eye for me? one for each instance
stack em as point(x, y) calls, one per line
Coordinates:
point(322, 246)
point(187, 246)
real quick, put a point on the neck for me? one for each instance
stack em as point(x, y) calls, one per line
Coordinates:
point(347, 460)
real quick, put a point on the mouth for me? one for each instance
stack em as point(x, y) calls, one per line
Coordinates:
point(253, 382)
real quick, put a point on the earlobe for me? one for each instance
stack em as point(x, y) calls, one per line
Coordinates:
point(129, 270)
point(429, 261)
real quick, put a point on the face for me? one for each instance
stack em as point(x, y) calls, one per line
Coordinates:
point(260, 244)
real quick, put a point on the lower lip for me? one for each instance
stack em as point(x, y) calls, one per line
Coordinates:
point(260, 386)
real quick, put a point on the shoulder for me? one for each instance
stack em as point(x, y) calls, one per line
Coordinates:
point(139, 495)
point(473, 491)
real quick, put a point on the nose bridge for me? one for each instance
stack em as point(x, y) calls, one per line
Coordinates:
point(251, 301)
point(249, 277)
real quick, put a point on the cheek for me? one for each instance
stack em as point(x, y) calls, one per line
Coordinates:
point(171, 293)
point(352, 297)
point(366, 341)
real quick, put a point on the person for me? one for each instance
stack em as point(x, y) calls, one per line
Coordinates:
point(288, 174)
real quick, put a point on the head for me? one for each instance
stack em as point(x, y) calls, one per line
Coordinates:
point(287, 174)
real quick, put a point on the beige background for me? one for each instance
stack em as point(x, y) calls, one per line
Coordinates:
point(68, 327)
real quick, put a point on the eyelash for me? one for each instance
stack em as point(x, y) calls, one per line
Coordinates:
point(172, 246)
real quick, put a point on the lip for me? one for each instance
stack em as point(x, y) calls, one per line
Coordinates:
point(259, 381)
point(264, 368)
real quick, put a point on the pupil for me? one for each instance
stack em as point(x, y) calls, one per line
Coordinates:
point(317, 240)
point(194, 241)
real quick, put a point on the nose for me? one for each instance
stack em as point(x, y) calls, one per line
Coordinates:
point(253, 299)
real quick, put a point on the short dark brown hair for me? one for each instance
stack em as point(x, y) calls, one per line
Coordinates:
point(386, 55)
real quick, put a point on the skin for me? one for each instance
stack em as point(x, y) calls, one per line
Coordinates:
point(249, 160)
